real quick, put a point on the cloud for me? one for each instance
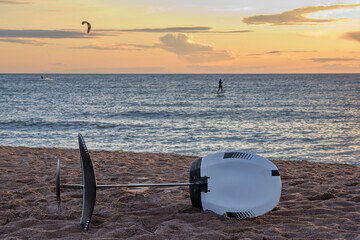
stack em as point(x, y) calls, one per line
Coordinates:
point(266, 53)
point(352, 36)
point(172, 30)
point(35, 33)
point(325, 60)
point(296, 16)
point(22, 41)
point(273, 52)
point(63, 34)
point(178, 43)
point(161, 30)
point(126, 47)
point(185, 48)
point(276, 52)
point(14, 2)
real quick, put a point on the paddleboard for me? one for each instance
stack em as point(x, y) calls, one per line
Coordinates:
point(240, 184)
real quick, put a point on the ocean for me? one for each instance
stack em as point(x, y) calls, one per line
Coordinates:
point(314, 117)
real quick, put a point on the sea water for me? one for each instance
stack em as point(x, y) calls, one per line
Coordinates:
point(311, 117)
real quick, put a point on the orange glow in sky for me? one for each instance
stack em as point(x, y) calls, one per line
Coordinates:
point(212, 36)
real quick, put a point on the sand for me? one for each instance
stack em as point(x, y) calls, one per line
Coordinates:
point(319, 201)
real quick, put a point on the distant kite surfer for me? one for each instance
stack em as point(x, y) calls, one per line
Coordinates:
point(220, 86)
point(46, 78)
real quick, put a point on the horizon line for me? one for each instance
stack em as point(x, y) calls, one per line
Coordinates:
point(176, 73)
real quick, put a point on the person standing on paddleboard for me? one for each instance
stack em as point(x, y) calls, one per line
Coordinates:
point(220, 86)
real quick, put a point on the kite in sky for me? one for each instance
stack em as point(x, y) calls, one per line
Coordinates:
point(88, 25)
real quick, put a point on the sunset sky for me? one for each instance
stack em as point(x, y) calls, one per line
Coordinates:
point(187, 36)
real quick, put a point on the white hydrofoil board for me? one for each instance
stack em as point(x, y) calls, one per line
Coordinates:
point(241, 184)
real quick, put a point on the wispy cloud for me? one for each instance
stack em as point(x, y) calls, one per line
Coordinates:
point(124, 47)
point(276, 52)
point(14, 2)
point(172, 30)
point(352, 36)
point(159, 30)
point(273, 52)
point(22, 41)
point(326, 60)
point(182, 45)
point(61, 34)
point(298, 16)
point(179, 43)
point(36, 33)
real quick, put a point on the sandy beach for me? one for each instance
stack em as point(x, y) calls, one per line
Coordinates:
point(319, 201)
